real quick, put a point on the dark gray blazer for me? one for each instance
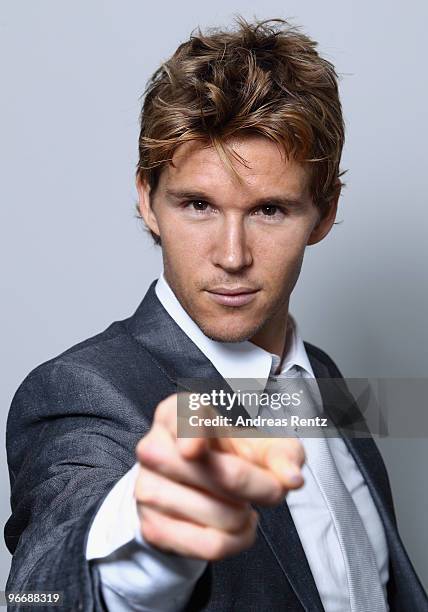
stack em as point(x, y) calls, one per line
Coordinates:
point(71, 433)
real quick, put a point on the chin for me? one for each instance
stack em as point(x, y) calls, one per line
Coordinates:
point(231, 333)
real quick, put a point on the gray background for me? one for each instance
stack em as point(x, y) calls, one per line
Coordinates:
point(75, 258)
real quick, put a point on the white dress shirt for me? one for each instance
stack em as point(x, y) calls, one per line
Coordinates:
point(137, 576)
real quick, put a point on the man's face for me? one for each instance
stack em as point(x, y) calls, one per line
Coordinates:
point(233, 250)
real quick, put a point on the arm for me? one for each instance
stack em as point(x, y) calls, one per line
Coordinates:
point(67, 445)
point(72, 435)
point(135, 575)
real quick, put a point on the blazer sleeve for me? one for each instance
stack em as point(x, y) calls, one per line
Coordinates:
point(69, 439)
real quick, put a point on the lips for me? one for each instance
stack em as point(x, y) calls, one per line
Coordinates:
point(233, 296)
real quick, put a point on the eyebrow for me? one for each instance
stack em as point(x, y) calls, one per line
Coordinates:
point(267, 200)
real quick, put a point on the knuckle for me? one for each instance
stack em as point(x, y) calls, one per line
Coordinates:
point(146, 496)
point(277, 493)
point(146, 492)
point(151, 530)
point(163, 409)
point(237, 476)
point(151, 451)
point(147, 446)
point(143, 448)
point(251, 535)
point(301, 455)
point(238, 519)
point(140, 446)
point(216, 548)
point(296, 451)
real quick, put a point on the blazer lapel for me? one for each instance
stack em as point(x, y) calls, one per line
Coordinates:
point(277, 527)
point(179, 358)
point(341, 406)
point(173, 351)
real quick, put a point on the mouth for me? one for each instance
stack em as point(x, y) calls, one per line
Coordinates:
point(237, 296)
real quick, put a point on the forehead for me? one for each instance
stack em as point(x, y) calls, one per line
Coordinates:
point(264, 168)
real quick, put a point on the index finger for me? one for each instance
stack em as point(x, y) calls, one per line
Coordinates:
point(274, 454)
point(281, 456)
point(166, 415)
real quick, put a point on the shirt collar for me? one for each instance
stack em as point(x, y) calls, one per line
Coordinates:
point(236, 359)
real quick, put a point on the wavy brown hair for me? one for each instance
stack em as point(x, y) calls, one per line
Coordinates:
point(265, 78)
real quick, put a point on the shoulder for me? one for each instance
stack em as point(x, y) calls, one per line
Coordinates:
point(106, 381)
point(322, 363)
point(111, 359)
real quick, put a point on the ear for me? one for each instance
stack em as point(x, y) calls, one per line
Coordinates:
point(325, 223)
point(145, 205)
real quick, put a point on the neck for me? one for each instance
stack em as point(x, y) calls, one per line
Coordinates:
point(272, 336)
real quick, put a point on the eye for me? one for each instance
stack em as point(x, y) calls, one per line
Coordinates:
point(270, 210)
point(197, 205)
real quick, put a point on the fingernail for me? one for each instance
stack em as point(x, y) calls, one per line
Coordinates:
point(293, 475)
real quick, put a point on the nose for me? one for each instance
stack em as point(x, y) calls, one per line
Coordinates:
point(232, 251)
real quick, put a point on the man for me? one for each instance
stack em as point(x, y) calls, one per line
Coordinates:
point(240, 144)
